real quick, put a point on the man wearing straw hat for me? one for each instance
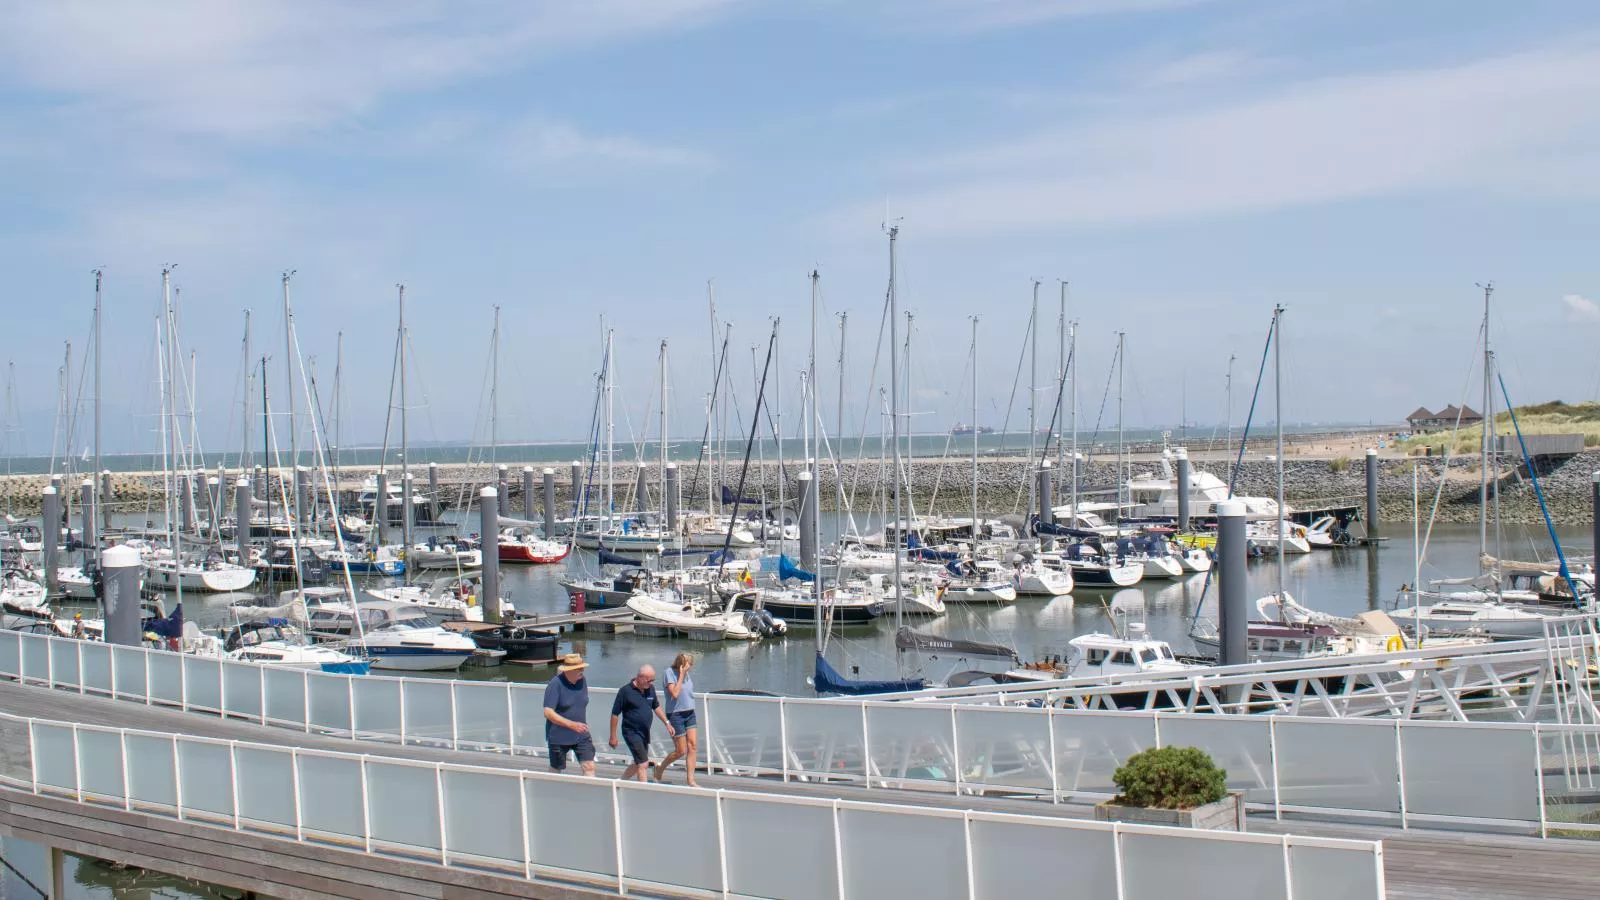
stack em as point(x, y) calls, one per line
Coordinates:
point(566, 710)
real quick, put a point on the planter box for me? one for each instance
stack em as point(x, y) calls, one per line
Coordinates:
point(1226, 814)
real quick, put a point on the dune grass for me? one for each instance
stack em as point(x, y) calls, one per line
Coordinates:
point(1554, 417)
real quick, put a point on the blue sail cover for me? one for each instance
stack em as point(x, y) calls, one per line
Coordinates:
point(787, 570)
point(169, 627)
point(729, 497)
point(607, 558)
point(828, 681)
point(1060, 530)
point(916, 550)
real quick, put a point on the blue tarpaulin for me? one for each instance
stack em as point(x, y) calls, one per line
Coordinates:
point(729, 497)
point(828, 681)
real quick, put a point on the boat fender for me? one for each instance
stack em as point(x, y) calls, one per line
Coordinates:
point(1394, 644)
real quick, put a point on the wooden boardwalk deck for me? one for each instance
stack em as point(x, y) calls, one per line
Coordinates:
point(1419, 863)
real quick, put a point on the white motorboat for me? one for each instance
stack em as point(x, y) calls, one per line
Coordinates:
point(1476, 612)
point(694, 617)
point(75, 582)
point(444, 599)
point(1156, 495)
point(1101, 655)
point(273, 644)
point(395, 636)
point(213, 575)
point(448, 555)
point(1263, 537)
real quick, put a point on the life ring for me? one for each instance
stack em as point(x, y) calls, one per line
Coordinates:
point(1394, 644)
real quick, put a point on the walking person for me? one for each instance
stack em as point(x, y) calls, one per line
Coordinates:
point(635, 706)
point(680, 716)
point(566, 714)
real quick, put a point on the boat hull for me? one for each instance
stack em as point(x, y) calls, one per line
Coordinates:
point(1100, 576)
point(416, 659)
point(806, 613)
point(525, 554)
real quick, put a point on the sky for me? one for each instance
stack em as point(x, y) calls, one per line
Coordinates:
point(1184, 165)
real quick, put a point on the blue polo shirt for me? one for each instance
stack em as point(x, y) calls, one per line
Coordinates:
point(570, 701)
point(636, 707)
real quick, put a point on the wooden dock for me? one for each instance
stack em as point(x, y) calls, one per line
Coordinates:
point(606, 620)
point(1419, 863)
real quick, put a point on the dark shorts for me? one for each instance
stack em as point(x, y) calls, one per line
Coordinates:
point(681, 721)
point(638, 744)
point(583, 749)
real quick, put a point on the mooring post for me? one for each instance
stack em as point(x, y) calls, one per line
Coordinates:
point(86, 518)
point(380, 507)
point(1046, 493)
point(549, 476)
point(503, 484)
point(408, 509)
point(241, 518)
point(489, 527)
point(527, 493)
point(1372, 494)
point(433, 482)
point(1183, 490)
point(577, 491)
point(50, 529)
point(120, 576)
point(671, 500)
point(1233, 606)
point(302, 494)
point(805, 484)
point(213, 500)
point(641, 491)
point(186, 503)
point(105, 500)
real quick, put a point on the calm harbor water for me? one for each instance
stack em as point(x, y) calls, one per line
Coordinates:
point(1344, 581)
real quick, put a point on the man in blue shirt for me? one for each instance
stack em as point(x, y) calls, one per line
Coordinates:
point(635, 706)
point(566, 711)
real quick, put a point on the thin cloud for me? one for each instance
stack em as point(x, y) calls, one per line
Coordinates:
point(1312, 142)
point(983, 15)
point(1581, 308)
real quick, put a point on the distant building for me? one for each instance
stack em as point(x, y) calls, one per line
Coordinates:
point(1422, 420)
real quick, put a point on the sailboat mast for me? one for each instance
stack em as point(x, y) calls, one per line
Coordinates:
point(105, 519)
point(1227, 416)
point(974, 433)
point(288, 379)
point(777, 412)
point(1033, 398)
point(894, 427)
point(494, 391)
point(611, 464)
point(244, 415)
point(663, 481)
point(838, 412)
point(1483, 449)
point(1072, 360)
point(1061, 379)
point(1121, 367)
point(1277, 400)
point(815, 501)
point(715, 463)
point(405, 448)
point(338, 418)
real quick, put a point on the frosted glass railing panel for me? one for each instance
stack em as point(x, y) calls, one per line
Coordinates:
point(780, 850)
point(825, 738)
point(1090, 747)
point(427, 710)
point(35, 656)
point(128, 663)
point(203, 681)
point(1477, 771)
point(1006, 855)
point(330, 703)
point(483, 714)
point(64, 662)
point(53, 763)
point(377, 706)
point(10, 652)
point(1241, 746)
point(890, 854)
point(1166, 866)
point(403, 805)
point(152, 775)
point(266, 779)
point(330, 796)
point(95, 663)
point(16, 766)
point(1337, 764)
point(166, 677)
point(1332, 873)
point(286, 695)
point(1004, 747)
point(241, 689)
point(205, 778)
point(742, 732)
point(912, 742)
point(527, 717)
point(100, 763)
point(1570, 759)
point(570, 824)
point(483, 816)
point(656, 845)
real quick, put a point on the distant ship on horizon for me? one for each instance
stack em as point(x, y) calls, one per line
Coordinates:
point(962, 429)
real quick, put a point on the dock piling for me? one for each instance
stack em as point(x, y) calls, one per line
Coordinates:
point(806, 485)
point(527, 493)
point(120, 572)
point(1372, 494)
point(241, 518)
point(433, 482)
point(671, 500)
point(641, 490)
point(86, 517)
point(577, 489)
point(186, 503)
point(105, 499)
point(380, 507)
point(302, 494)
point(1233, 606)
point(1045, 492)
point(1183, 489)
point(489, 528)
point(549, 503)
point(50, 529)
point(503, 486)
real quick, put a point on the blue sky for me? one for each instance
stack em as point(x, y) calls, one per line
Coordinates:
point(1184, 164)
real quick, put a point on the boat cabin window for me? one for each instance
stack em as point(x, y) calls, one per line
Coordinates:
point(1147, 655)
point(1122, 658)
point(1269, 645)
point(1254, 644)
point(1096, 657)
point(1291, 646)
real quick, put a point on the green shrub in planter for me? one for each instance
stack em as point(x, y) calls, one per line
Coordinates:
point(1170, 778)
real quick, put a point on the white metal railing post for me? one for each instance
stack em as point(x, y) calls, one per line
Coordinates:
point(402, 682)
point(233, 779)
point(455, 725)
point(1116, 860)
point(838, 849)
point(350, 698)
point(966, 841)
point(955, 753)
point(148, 699)
point(49, 664)
point(77, 764)
point(1155, 725)
point(222, 689)
point(511, 733)
point(527, 833)
point(711, 738)
point(177, 779)
point(183, 685)
point(1272, 753)
point(127, 789)
point(783, 737)
point(1538, 780)
point(866, 745)
point(616, 834)
point(111, 654)
point(1055, 765)
point(444, 841)
point(722, 845)
point(305, 699)
point(1288, 870)
point(78, 646)
point(294, 777)
point(1400, 769)
point(263, 682)
point(33, 753)
point(366, 806)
